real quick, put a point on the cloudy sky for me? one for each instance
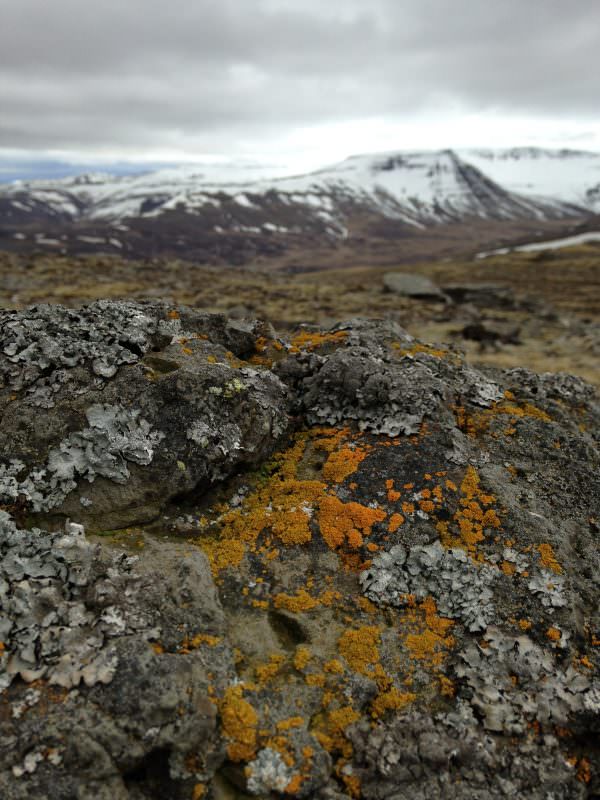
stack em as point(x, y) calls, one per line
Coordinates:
point(303, 80)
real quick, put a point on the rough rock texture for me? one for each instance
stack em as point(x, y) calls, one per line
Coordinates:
point(110, 411)
point(354, 566)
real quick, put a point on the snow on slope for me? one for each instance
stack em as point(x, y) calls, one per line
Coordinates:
point(550, 244)
point(571, 175)
point(416, 188)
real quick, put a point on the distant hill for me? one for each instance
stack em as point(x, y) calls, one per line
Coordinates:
point(229, 212)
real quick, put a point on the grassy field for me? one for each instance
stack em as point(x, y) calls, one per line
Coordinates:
point(561, 333)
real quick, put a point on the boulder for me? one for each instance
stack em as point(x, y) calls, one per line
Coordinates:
point(409, 285)
point(389, 591)
point(482, 295)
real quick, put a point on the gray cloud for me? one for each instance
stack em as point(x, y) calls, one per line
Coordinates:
point(208, 75)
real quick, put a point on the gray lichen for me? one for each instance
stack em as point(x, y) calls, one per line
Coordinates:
point(514, 679)
point(114, 437)
point(461, 589)
point(48, 626)
point(268, 773)
point(380, 395)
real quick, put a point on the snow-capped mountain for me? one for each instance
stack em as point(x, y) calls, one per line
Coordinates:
point(409, 190)
point(571, 175)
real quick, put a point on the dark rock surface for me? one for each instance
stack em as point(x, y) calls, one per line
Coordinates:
point(343, 565)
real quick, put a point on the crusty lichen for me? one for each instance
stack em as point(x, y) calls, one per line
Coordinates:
point(239, 721)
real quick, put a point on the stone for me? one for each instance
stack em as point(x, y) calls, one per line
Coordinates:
point(354, 566)
point(409, 285)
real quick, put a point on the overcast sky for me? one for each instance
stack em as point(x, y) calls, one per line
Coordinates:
point(179, 79)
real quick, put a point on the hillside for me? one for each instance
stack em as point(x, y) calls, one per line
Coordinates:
point(235, 214)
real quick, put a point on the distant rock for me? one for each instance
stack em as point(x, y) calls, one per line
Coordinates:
point(490, 332)
point(371, 570)
point(482, 295)
point(410, 285)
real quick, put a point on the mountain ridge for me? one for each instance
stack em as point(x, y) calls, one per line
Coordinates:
point(411, 191)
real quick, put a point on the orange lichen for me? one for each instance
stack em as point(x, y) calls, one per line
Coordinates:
point(291, 722)
point(366, 605)
point(295, 784)
point(239, 722)
point(334, 666)
point(266, 672)
point(353, 784)
point(392, 494)
point(525, 624)
point(431, 641)
point(301, 657)
point(282, 505)
point(301, 601)
point(447, 688)
point(472, 516)
point(396, 520)
point(553, 634)
point(548, 559)
point(392, 700)
point(584, 771)
point(306, 340)
point(194, 642)
point(359, 648)
point(346, 523)
point(343, 463)
point(479, 422)
point(419, 348)
point(199, 791)
point(332, 737)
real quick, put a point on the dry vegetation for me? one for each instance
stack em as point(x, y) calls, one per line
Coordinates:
point(559, 331)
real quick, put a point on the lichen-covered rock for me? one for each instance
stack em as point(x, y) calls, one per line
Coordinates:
point(140, 403)
point(401, 602)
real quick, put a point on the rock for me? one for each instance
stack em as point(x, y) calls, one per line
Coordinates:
point(481, 295)
point(140, 404)
point(400, 601)
point(409, 285)
point(492, 333)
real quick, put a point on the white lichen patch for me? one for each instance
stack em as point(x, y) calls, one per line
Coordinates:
point(460, 588)
point(115, 436)
point(268, 773)
point(60, 607)
point(514, 680)
point(549, 587)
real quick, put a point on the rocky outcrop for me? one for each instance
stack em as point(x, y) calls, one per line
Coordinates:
point(341, 565)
